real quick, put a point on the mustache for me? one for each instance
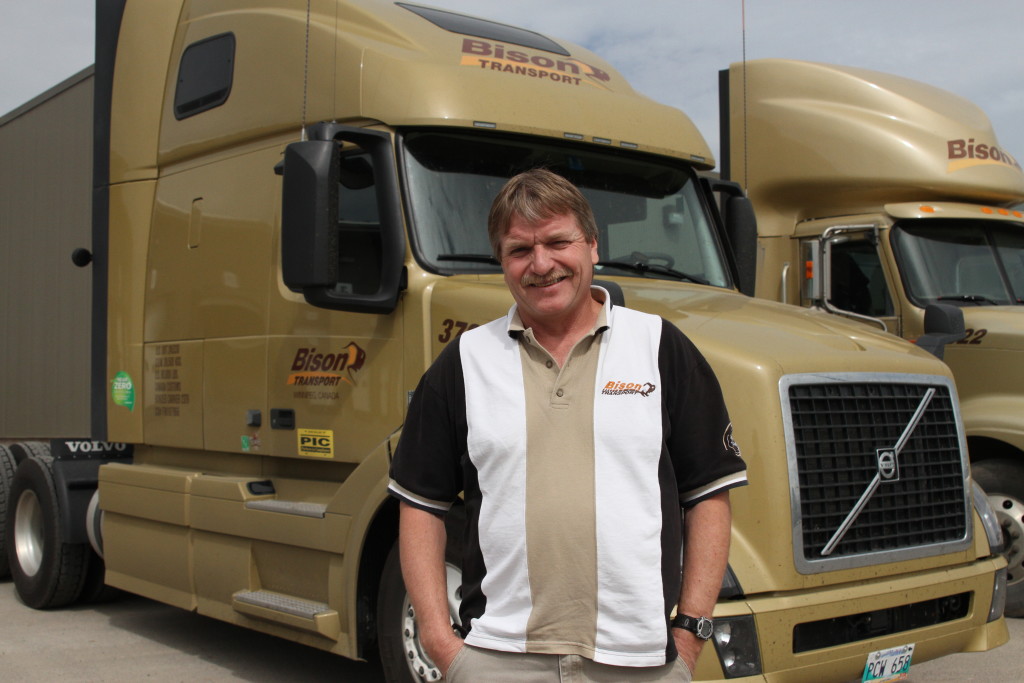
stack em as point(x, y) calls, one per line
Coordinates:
point(547, 279)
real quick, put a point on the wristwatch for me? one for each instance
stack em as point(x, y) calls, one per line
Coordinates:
point(702, 627)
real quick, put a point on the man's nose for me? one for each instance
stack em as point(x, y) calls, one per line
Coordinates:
point(541, 261)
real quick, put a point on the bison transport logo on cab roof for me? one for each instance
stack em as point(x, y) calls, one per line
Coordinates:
point(967, 153)
point(497, 57)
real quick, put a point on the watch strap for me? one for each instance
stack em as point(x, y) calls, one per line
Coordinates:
point(702, 627)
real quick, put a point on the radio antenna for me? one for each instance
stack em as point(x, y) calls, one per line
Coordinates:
point(305, 73)
point(743, 24)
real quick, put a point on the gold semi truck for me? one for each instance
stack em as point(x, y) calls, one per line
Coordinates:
point(281, 224)
point(891, 202)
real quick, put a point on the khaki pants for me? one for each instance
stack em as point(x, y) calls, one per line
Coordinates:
point(477, 665)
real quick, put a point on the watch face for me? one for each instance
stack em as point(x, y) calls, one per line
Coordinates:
point(705, 627)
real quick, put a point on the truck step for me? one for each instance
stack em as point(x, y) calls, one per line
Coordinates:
point(289, 507)
point(308, 615)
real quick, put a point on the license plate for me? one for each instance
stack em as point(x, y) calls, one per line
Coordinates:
point(888, 665)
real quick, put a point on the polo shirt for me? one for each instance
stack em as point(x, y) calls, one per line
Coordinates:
point(572, 479)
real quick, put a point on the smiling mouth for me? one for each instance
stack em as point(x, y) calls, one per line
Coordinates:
point(546, 282)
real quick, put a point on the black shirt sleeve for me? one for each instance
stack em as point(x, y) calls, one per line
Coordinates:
point(698, 429)
point(426, 468)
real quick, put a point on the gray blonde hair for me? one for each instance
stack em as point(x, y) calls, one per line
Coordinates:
point(534, 196)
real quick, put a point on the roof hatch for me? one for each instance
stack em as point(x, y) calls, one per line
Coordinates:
point(489, 30)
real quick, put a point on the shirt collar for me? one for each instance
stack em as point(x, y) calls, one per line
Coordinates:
point(516, 327)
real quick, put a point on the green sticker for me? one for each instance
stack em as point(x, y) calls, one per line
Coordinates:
point(122, 391)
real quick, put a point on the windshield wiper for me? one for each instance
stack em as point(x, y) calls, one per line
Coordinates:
point(469, 258)
point(969, 298)
point(636, 266)
point(641, 267)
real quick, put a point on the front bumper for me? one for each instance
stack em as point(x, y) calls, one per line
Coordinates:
point(826, 634)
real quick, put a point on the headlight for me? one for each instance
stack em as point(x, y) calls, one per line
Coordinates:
point(998, 595)
point(736, 644)
point(988, 519)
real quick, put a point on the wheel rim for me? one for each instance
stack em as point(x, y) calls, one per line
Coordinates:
point(28, 533)
point(1010, 513)
point(420, 665)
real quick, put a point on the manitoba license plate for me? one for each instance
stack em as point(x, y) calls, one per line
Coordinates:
point(888, 665)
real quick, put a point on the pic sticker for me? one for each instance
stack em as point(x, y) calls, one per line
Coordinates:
point(122, 391)
point(316, 443)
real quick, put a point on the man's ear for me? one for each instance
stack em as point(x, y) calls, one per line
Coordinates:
point(594, 258)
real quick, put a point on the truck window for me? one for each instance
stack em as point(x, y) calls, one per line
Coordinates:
point(961, 261)
point(857, 279)
point(651, 219)
point(205, 75)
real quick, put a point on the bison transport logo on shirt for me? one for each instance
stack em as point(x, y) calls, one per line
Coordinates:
point(616, 388)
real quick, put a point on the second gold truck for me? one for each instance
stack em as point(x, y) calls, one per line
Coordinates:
point(879, 198)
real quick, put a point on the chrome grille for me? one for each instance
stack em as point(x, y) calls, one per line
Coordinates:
point(871, 484)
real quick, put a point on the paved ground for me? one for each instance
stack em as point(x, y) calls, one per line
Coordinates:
point(1003, 664)
point(133, 639)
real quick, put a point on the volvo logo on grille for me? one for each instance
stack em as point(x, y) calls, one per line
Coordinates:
point(888, 468)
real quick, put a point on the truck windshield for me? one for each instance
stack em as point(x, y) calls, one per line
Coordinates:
point(961, 261)
point(651, 220)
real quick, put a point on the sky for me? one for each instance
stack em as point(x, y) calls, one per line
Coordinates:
point(670, 50)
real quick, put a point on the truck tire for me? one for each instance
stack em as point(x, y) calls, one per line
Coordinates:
point(1003, 482)
point(401, 652)
point(47, 571)
point(6, 475)
point(28, 449)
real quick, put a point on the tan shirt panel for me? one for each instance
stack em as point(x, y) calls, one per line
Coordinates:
point(560, 500)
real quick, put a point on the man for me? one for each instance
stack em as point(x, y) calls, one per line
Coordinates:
point(575, 430)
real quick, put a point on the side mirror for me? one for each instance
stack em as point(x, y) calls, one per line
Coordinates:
point(739, 230)
point(361, 274)
point(741, 227)
point(943, 324)
point(309, 214)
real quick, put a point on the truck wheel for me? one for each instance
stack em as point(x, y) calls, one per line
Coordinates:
point(1003, 482)
point(6, 475)
point(47, 571)
point(402, 655)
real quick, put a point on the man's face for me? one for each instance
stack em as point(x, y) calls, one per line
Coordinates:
point(548, 268)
